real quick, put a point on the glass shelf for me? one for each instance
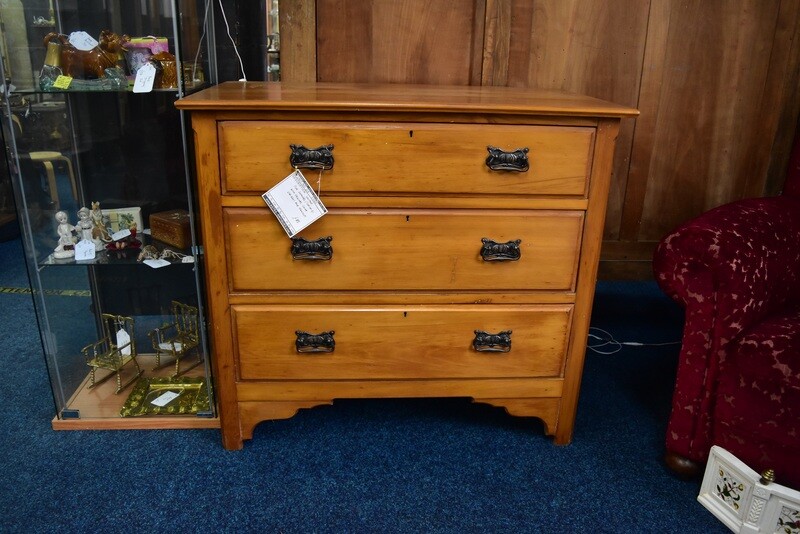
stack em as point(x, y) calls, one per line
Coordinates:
point(126, 256)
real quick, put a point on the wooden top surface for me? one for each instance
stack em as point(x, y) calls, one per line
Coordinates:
point(397, 97)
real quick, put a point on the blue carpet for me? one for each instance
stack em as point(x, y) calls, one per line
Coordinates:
point(360, 466)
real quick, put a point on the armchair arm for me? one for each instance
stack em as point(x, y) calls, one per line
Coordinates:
point(160, 335)
point(729, 268)
point(91, 350)
point(743, 256)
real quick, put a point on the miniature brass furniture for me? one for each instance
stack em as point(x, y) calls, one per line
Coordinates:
point(175, 340)
point(114, 351)
point(736, 271)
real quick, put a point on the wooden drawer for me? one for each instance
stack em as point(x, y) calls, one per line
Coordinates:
point(388, 342)
point(406, 250)
point(402, 158)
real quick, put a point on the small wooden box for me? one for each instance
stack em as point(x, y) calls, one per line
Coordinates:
point(171, 227)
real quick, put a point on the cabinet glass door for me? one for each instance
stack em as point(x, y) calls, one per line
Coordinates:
point(97, 155)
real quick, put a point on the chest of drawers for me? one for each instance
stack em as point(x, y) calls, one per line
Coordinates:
point(458, 256)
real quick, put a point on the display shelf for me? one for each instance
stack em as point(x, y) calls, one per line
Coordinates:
point(187, 90)
point(125, 256)
point(100, 146)
point(99, 407)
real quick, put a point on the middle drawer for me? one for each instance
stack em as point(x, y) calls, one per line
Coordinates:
point(381, 250)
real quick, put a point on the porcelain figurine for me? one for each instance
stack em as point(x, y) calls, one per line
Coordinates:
point(85, 228)
point(99, 232)
point(66, 241)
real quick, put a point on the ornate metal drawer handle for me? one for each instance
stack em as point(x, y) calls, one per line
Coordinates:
point(322, 342)
point(486, 342)
point(500, 160)
point(311, 158)
point(320, 249)
point(493, 251)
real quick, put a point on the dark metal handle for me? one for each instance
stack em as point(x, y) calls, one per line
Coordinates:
point(486, 342)
point(493, 251)
point(311, 158)
point(322, 342)
point(320, 249)
point(500, 160)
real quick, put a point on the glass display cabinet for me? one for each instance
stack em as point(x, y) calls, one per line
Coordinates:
point(97, 155)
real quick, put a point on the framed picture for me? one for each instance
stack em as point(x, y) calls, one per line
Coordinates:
point(122, 219)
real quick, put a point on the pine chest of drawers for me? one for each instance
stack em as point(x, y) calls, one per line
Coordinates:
point(458, 256)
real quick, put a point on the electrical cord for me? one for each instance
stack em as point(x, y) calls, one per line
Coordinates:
point(605, 339)
point(200, 41)
point(235, 49)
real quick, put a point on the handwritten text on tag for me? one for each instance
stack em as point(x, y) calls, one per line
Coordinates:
point(294, 203)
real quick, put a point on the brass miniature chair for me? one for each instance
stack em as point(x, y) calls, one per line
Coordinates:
point(116, 349)
point(175, 340)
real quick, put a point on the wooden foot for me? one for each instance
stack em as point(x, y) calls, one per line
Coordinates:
point(682, 467)
point(545, 409)
point(252, 413)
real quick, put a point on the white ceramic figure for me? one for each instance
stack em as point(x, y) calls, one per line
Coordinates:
point(85, 227)
point(100, 232)
point(66, 241)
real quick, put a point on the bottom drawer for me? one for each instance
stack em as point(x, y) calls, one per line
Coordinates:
point(400, 342)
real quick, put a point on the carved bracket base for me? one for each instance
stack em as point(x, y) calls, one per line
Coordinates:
point(251, 413)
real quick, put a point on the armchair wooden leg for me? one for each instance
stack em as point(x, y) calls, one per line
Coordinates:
point(682, 467)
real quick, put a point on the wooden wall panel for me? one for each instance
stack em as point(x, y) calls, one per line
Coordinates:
point(298, 24)
point(710, 75)
point(399, 41)
point(717, 83)
point(594, 47)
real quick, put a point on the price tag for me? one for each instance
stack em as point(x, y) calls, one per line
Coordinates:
point(187, 259)
point(62, 82)
point(122, 234)
point(156, 264)
point(166, 398)
point(82, 40)
point(294, 203)
point(145, 77)
point(84, 250)
point(124, 341)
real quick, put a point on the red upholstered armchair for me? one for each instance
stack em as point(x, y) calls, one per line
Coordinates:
point(736, 270)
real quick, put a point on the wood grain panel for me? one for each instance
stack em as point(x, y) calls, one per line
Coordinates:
point(781, 101)
point(708, 123)
point(298, 40)
point(588, 47)
point(399, 41)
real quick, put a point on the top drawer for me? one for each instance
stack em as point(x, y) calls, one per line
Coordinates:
point(407, 158)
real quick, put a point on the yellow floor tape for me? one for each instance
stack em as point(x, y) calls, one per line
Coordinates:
point(58, 292)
